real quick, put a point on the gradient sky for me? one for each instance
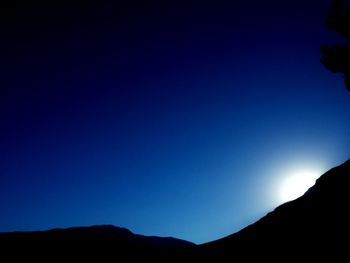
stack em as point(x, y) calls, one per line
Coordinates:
point(171, 119)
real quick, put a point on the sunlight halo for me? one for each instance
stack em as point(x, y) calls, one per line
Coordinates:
point(296, 184)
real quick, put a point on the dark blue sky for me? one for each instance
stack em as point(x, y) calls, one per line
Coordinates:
point(172, 119)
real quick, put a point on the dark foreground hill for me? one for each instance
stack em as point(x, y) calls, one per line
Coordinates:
point(102, 242)
point(314, 227)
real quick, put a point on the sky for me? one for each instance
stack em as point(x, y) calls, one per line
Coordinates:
point(169, 118)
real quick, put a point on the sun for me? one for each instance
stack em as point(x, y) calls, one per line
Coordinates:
point(296, 184)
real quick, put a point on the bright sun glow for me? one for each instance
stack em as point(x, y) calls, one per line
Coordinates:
point(297, 184)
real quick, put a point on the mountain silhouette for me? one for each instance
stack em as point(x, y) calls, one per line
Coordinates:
point(104, 242)
point(313, 227)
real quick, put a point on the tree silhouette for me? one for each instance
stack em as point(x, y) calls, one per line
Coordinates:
point(336, 58)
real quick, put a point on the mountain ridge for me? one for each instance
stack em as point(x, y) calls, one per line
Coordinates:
point(105, 232)
point(313, 226)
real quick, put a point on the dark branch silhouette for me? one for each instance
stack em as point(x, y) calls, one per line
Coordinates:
point(336, 58)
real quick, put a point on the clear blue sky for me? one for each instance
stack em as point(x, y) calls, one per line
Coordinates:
point(171, 119)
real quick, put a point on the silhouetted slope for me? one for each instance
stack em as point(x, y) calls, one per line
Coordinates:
point(104, 242)
point(100, 233)
point(314, 226)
